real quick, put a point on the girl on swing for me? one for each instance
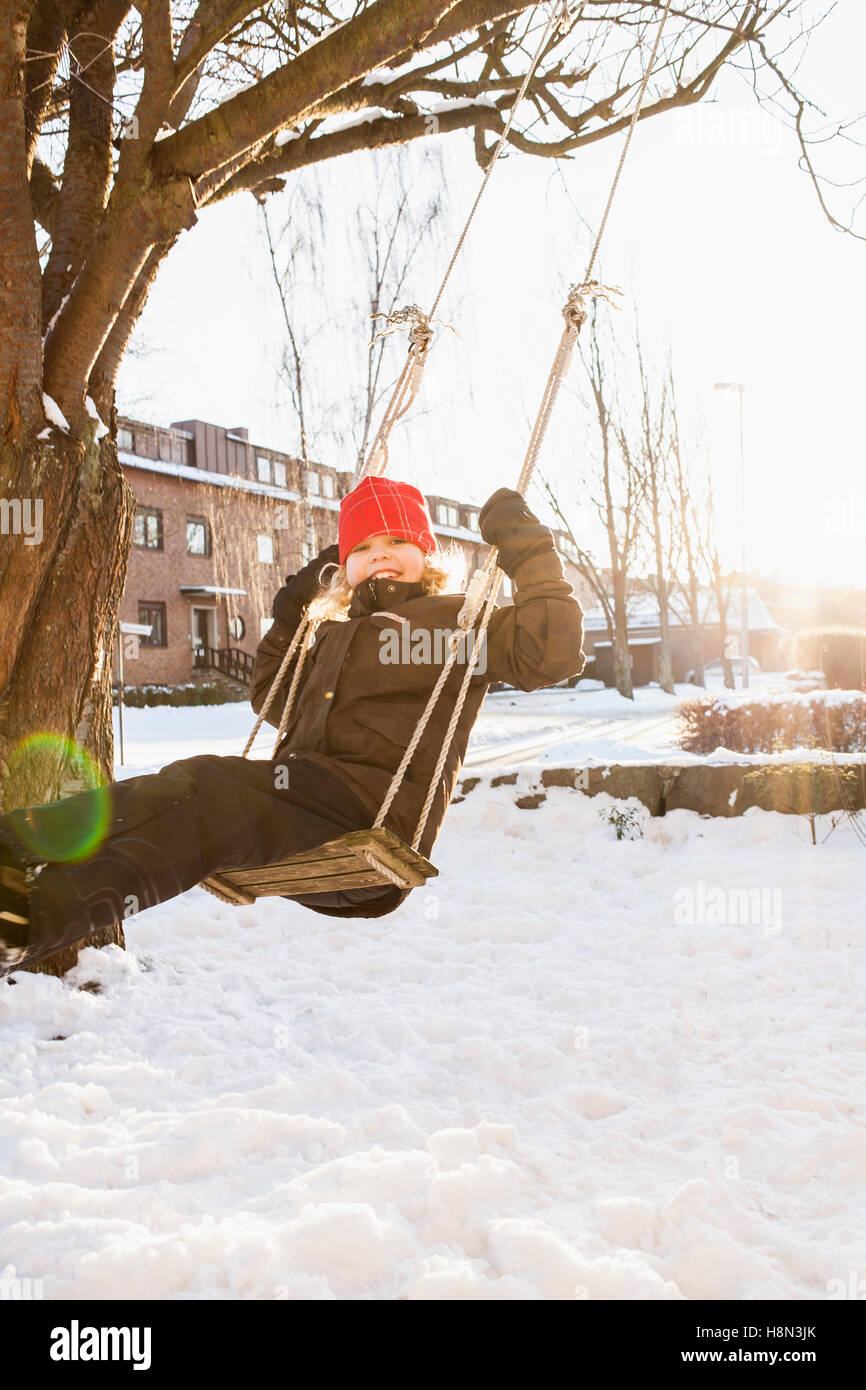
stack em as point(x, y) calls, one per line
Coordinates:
point(72, 867)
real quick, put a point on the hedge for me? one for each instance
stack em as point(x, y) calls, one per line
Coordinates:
point(191, 693)
point(744, 723)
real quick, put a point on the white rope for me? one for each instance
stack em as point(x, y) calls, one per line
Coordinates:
point(422, 331)
point(275, 684)
point(385, 870)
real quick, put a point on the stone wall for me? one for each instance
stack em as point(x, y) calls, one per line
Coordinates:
point(711, 789)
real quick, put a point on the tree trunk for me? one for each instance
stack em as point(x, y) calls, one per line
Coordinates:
point(621, 667)
point(697, 629)
point(666, 670)
point(727, 668)
point(60, 590)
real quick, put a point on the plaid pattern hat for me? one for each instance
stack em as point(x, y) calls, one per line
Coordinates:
point(382, 506)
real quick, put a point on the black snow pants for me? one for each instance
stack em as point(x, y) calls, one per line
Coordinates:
point(148, 838)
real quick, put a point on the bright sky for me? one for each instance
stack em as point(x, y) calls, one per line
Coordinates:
point(715, 236)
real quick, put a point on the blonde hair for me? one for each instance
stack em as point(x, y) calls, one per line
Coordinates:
point(445, 571)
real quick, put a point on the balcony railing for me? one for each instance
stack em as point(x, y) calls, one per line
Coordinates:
point(228, 661)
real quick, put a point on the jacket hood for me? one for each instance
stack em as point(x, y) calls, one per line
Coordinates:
point(380, 593)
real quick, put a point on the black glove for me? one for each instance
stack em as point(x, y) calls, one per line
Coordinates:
point(300, 589)
point(506, 522)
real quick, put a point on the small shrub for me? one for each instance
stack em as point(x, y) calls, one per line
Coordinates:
point(627, 823)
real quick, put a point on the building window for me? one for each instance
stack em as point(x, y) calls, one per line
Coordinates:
point(448, 516)
point(328, 488)
point(153, 613)
point(266, 549)
point(179, 449)
point(197, 536)
point(165, 447)
point(125, 439)
point(279, 474)
point(147, 528)
point(263, 467)
point(237, 629)
point(472, 521)
point(312, 481)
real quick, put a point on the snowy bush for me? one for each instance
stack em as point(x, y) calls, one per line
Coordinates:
point(190, 693)
point(770, 723)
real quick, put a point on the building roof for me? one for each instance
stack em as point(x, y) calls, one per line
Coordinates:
point(643, 613)
point(204, 475)
point(188, 589)
point(460, 533)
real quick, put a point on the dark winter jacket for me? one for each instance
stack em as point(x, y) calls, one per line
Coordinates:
point(355, 711)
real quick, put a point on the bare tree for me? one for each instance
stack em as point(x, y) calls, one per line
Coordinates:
point(650, 459)
point(628, 488)
point(303, 230)
point(616, 493)
point(393, 230)
point(395, 225)
point(720, 583)
point(120, 125)
point(598, 580)
point(687, 522)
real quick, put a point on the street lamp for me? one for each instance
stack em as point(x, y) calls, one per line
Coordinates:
point(744, 615)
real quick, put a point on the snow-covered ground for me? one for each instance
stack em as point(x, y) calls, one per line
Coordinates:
point(570, 1067)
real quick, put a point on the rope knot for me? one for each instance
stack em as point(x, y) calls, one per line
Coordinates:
point(576, 308)
point(476, 593)
point(420, 332)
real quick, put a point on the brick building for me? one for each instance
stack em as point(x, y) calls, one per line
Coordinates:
point(219, 523)
point(644, 636)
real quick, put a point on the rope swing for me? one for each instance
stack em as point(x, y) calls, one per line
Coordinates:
point(364, 858)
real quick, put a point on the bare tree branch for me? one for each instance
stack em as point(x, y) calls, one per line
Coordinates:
point(802, 106)
point(87, 167)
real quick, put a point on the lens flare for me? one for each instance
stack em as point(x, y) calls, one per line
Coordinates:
point(74, 827)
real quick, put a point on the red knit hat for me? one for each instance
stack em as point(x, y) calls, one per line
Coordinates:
point(379, 506)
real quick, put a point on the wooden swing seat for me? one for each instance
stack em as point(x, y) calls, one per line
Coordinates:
point(358, 859)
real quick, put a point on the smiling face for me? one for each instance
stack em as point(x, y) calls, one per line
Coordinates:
point(384, 554)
